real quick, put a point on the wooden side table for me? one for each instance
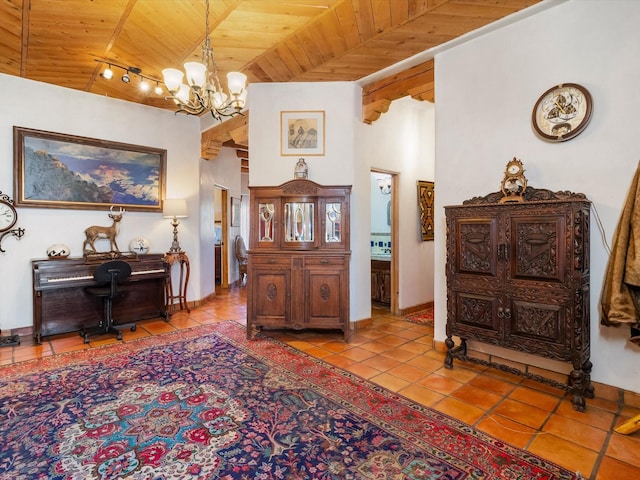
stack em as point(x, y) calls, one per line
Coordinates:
point(183, 260)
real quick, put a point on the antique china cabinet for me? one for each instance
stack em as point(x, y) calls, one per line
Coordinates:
point(298, 268)
point(518, 277)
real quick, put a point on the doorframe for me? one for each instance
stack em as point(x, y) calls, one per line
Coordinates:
point(395, 245)
point(395, 236)
point(224, 251)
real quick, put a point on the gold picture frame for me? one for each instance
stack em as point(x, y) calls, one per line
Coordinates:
point(55, 170)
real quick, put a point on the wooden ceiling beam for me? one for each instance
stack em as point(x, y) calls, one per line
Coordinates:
point(211, 140)
point(418, 82)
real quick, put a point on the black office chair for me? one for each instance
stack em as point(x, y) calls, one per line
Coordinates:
point(109, 277)
point(241, 256)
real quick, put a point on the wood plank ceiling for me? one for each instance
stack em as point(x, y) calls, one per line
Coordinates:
point(269, 40)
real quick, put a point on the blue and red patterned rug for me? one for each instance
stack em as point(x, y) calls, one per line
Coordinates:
point(206, 403)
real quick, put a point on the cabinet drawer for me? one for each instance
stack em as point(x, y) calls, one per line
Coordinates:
point(324, 261)
point(270, 260)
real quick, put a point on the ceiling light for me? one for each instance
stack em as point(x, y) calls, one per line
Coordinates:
point(203, 91)
point(126, 78)
point(158, 89)
point(384, 184)
point(144, 85)
point(108, 73)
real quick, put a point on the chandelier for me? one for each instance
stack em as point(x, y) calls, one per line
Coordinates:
point(203, 91)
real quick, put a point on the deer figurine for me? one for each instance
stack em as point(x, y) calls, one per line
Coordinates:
point(95, 232)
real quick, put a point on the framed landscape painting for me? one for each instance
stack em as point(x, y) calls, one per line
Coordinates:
point(54, 170)
point(302, 133)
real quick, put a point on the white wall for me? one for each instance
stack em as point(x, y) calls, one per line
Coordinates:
point(45, 107)
point(222, 172)
point(352, 150)
point(486, 90)
point(402, 141)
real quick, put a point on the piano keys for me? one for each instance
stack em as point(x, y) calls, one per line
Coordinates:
point(61, 305)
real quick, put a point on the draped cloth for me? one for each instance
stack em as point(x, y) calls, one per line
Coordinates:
point(620, 298)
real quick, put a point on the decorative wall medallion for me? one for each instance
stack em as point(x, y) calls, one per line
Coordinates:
point(562, 112)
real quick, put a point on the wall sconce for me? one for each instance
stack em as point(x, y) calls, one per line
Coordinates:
point(175, 208)
point(384, 184)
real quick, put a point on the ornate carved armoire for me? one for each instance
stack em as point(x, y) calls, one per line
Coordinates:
point(518, 277)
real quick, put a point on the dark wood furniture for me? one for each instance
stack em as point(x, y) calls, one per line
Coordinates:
point(298, 267)
point(518, 277)
point(61, 304)
point(218, 263)
point(182, 260)
point(109, 277)
point(381, 282)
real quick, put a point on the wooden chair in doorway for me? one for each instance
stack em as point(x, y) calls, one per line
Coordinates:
point(241, 256)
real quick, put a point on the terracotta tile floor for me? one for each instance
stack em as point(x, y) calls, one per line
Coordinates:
point(399, 355)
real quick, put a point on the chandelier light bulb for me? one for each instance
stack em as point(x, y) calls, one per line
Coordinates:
point(236, 82)
point(183, 93)
point(172, 79)
point(196, 74)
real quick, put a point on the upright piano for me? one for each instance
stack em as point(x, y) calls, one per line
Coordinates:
point(61, 304)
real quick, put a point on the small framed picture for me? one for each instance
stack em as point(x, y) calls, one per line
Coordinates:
point(425, 206)
point(302, 133)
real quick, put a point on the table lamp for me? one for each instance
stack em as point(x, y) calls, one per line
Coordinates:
point(175, 208)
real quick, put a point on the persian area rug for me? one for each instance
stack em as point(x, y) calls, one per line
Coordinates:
point(207, 403)
point(423, 317)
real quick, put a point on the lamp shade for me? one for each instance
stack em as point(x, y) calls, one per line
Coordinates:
point(175, 207)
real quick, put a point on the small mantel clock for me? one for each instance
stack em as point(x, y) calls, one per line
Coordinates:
point(514, 183)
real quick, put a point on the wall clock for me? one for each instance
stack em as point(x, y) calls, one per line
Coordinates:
point(8, 214)
point(562, 112)
point(8, 219)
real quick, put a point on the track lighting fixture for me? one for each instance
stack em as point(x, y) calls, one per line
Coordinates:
point(129, 72)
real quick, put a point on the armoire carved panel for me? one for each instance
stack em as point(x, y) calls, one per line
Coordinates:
point(518, 277)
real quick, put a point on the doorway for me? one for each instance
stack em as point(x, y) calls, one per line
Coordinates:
point(384, 242)
point(221, 224)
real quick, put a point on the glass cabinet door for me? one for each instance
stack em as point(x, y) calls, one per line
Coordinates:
point(265, 222)
point(298, 222)
point(333, 222)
